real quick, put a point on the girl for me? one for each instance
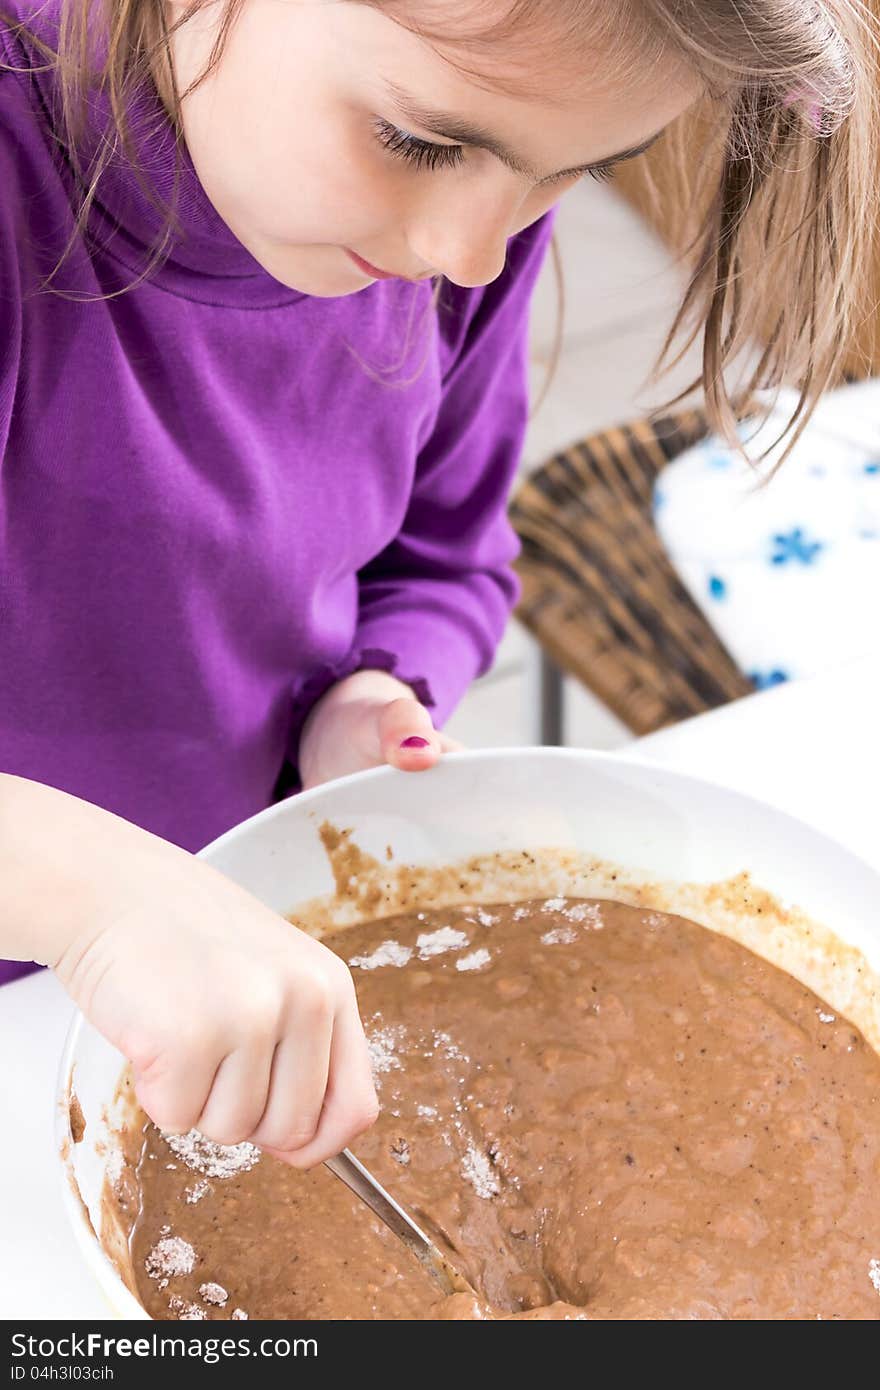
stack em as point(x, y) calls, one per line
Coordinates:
point(264, 275)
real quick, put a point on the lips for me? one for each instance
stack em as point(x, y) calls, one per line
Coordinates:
point(376, 274)
point(373, 270)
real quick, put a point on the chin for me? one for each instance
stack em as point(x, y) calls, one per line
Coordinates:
point(328, 281)
point(324, 292)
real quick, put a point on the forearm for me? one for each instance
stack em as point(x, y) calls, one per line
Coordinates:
point(60, 865)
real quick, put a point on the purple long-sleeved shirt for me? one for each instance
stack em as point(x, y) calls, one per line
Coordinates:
point(215, 499)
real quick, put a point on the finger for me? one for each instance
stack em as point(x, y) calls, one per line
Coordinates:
point(173, 1087)
point(296, 1090)
point(237, 1099)
point(407, 738)
point(450, 745)
point(350, 1102)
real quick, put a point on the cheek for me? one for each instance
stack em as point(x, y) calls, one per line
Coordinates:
point(539, 201)
point(284, 171)
point(325, 186)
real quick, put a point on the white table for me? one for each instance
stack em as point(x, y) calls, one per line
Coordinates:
point(812, 749)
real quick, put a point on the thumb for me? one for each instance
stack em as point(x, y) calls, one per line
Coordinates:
point(407, 737)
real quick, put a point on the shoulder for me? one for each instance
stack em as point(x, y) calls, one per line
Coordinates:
point(463, 313)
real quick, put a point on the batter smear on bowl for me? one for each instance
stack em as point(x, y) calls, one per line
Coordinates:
point(598, 1112)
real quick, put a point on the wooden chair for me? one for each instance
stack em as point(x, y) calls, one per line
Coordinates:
point(599, 593)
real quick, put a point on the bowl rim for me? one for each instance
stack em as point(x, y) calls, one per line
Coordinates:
point(102, 1267)
point(122, 1300)
point(535, 753)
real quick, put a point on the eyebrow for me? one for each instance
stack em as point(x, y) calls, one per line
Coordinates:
point(451, 127)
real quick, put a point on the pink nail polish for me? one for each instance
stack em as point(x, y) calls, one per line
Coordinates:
point(414, 741)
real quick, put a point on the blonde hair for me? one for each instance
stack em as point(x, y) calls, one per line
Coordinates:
point(782, 209)
point(779, 220)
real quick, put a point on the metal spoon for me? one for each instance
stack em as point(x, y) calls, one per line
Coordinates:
point(362, 1183)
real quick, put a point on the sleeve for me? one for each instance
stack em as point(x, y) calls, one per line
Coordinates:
point(434, 604)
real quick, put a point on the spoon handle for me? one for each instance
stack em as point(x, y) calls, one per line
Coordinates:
point(362, 1183)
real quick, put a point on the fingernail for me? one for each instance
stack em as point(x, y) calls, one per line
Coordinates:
point(414, 741)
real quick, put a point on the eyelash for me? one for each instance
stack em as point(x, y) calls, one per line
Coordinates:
point(602, 172)
point(422, 154)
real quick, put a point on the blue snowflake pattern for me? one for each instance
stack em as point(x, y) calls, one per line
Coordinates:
point(765, 680)
point(717, 460)
point(795, 545)
point(717, 587)
point(872, 467)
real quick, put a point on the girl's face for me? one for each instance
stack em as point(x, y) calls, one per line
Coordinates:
point(318, 140)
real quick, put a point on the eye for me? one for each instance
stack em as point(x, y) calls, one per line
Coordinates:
point(420, 153)
point(602, 172)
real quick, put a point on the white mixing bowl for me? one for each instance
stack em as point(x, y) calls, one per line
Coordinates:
point(591, 824)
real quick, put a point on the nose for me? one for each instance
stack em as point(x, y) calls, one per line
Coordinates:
point(464, 237)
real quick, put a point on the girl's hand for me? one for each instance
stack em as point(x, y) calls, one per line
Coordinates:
point(236, 1023)
point(364, 721)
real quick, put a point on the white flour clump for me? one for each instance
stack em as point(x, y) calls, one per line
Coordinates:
point(196, 1191)
point(427, 1112)
point(444, 1044)
point(587, 913)
point(485, 919)
point(874, 1273)
point(214, 1160)
point(240, 1315)
point(388, 953)
point(554, 904)
point(213, 1293)
point(825, 1018)
point(169, 1257)
point(478, 1171)
point(186, 1312)
point(475, 961)
point(381, 1045)
point(436, 943)
point(559, 936)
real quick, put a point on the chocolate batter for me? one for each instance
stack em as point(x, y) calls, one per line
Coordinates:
point(598, 1112)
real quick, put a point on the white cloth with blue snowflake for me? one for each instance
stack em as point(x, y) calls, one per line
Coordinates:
point(787, 570)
